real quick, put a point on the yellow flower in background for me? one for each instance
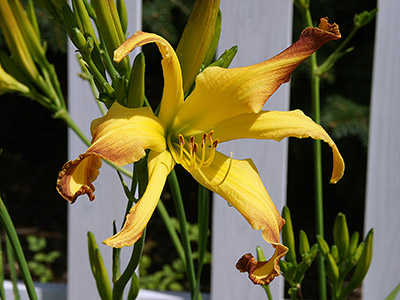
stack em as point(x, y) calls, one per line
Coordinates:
point(224, 105)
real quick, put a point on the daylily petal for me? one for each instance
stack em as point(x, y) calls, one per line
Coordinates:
point(159, 166)
point(239, 183)
point(277, 125)
point(76, 177)
point(121, 136)
point(172, 93)
point(196, 39)
point(262, 272)
point(223, 93)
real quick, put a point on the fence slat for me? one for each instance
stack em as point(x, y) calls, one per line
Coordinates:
point(383, 188)
point(110, 201)
point(261, 29)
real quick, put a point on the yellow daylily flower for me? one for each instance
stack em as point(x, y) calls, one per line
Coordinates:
point(224, 105)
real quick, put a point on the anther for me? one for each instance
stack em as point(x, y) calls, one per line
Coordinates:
point(191, 143)
point(203, 139)
point(210, 136)
point(215, 143)
point(195, 146)
point(181, 140)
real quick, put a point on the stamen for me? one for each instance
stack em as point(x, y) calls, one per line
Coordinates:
point(191, 142)
point(223, 179)
point(203, 139)
point(203, 146)
point(212, 153)
point(210, 137)
point(182, 144)
point(227, 171)
point(192, 161)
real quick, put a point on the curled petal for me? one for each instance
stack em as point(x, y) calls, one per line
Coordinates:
point(121, 137)
point(173, 92)
point(223, 93)
point(262, 272)
point(159, 165)
point(123, 134)
point(277, 125)
point(239, 183)
point(76, 177)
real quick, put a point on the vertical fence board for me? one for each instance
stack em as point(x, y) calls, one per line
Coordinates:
point(110, 200)
point(261, 29)
point(383, 188)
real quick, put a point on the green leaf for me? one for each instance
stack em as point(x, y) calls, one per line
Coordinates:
point(393, 294)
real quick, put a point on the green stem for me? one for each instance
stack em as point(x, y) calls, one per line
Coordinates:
point(268, 291)
point(176, 195)
point(19, 254)
point(2, 292)
point(130, 269)
point(13, 270)
point(141, 177)
point(203, 219)
point(319, 211)
point(171, 230)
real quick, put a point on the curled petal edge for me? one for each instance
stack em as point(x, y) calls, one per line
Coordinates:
point(262, 272)
point(76, 177)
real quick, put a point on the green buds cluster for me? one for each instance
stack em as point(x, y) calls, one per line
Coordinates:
point(25, 68)
point(364, 18)
point(97, 51)
point(292, 270)
point(346, 255)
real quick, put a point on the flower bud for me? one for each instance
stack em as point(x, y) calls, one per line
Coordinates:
point(288, 236)
point(135, 92)
point(9, 84)
point(323, 245)
point(341, 234)
point(352, 245)
point(304, 245)
point(226, 58)
point(214, 42)
point(196, 39)
point(364, 18)
point(363, 264)
point(98, 269)
point(332, 269)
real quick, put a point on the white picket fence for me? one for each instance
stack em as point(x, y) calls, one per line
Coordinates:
point(261, 28)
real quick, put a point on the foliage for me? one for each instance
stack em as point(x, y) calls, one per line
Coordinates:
point(40, 265)
point(171, 274)
point(345, 118)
